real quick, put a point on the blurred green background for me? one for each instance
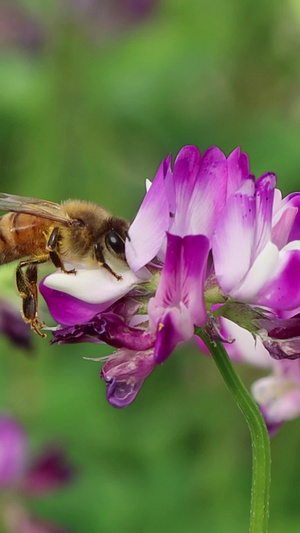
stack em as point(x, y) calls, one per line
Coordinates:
point(93, 95)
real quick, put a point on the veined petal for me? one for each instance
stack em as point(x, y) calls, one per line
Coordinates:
point(185, 172)
point(238, 170)
point(209, 193)
point(183, 275)
point(264, 194)
point(147, 232)
point(233, 239)
point(124, 373)
point(282, 289)
point(108, 328)
point(204, 197)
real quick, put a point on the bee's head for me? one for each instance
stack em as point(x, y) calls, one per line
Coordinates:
point(115, 237)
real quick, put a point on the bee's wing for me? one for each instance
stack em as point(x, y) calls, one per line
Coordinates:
point(34, 206)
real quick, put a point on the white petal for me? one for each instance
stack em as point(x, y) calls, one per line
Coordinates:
point(92, 286)
point(259, 274)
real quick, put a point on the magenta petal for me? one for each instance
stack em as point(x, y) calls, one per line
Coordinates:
point(67, 310)
point(179, 301)
point(282, 290)
point(182, 278)
point(264, 194)
point(209, 195)
point(238, 170)
point(185, 172)
point(168, 292)
point(174, 327)
point(147, 232)
point(200, 186)
point(194, 266)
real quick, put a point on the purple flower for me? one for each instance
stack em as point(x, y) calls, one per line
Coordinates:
point(171, 236)
point(23, 477)
point(210, 247)
point(19, 28)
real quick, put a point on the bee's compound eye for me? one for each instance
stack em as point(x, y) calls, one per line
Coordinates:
point(115, 242)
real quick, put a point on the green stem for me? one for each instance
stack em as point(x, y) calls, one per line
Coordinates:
point(261, 458)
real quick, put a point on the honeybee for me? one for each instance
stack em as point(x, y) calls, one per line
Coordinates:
point(75, 232)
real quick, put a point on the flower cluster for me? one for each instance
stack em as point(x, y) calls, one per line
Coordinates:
point(211, 249)
point(21, 479)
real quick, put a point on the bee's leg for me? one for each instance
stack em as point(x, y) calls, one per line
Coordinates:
point(52, 247)
point(27, 289)
point(100, 259)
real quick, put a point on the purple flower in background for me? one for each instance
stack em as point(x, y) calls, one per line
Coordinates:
point(106, 19)
point(13, 327)
point(19, 28)
point(22, 477)
point(13, 453)
point(278, 395)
